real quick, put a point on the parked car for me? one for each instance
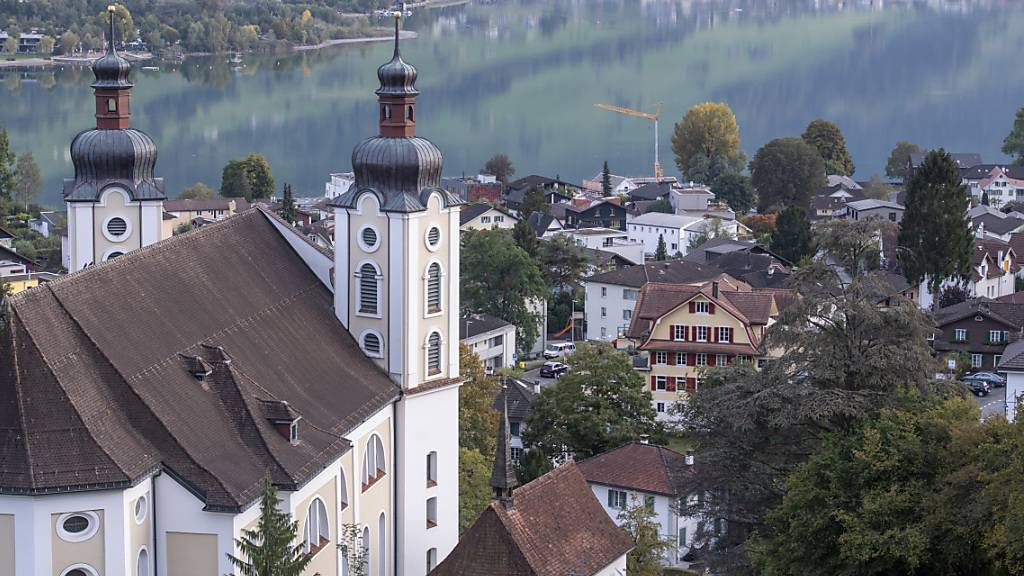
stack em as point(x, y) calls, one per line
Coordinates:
point(553, 369)
point(559, 350)
point(978, 387)
point(993, 379)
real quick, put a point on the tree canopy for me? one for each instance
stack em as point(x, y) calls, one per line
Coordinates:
point(250, 178)
point(828, 140)
point(899, 159)
point(707, 135)
point(786, 172)
point(736, 190)
point(288, 211)
point(478, 420)
point(661, 251)
point(500, 167)
point(791, 238)
point(526, 237)
point(562, 262)
point(29, 179)
point(649, 546)
point(8, 179)
point(535, 200)
point(1013, 144)
point(935, 240)
point(197, 191)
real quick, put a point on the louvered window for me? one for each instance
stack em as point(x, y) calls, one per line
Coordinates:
point(369, 237)
point(434, 354)
point(371, 345)
point(434, 236)
point(434, 288)
point(368, 289)
point(117, 227)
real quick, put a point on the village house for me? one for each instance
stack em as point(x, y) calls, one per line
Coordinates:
point(198, 211)
point(980, 329)
point(677, 230)
point(989, 222)
point(520, 406)
point(619, 184)
point(607, 240)
point(544, 225)
point(994, 269)
point(555, 191)
point(870, 208)
point(484, 216)
point(492, 339)
point(592, 214)
point(1001, 183)
point(1011, 365)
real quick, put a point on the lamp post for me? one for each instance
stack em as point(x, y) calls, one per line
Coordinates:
point(572, 322)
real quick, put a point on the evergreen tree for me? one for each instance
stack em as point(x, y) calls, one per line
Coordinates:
point(935, 240)
point(1013, 145)
point(535, 200)
point(288, 204)
point(8, 181)
point(984, 198)
point(649, 547)
point(606, 180)
point(828, 140)
point(562, 262)
point(525, 237)
point(792, 236)
point(661, 252)
point(267, 549)
point(532, 465)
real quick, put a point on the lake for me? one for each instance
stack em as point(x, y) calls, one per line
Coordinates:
point(521, 77)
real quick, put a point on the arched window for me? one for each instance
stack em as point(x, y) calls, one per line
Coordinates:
point(382, 546)
point(316, 531)
point(434, 354)
point(368, 288)
point(372, 345)
point(434, 288)
point(343, 496)
point(142, 566)
point(374, 461)
point(366, 545)
point(410, 114)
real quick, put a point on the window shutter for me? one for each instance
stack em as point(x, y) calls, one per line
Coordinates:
point(672, 332)
point(671, 359)
point(711, 307)
point(654, 385)
point(686, 332)
point(691, 384)
point(730, 334)
point(691, 359)
point(671, 384)
point(712, 359)
point(693, 307)
point(714, 334)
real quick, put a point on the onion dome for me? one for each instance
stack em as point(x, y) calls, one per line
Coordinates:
point(392, 165)
point(102, 158)
point(397, 77)
point(111, 71)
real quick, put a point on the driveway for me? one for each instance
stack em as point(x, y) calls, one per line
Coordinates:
point(993, 404)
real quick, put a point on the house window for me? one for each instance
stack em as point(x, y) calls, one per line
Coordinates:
point(485, 219)
point(431, 559)
point(702, 359)
point(604, 312)
point(721, 360)
point(368, 284)
point(976, 360)
point(374, 466)
point(604, 291)
point(892, 216)
point(661, 382)
point(343, 496)
point(434, 354)
point(499, 218)
point(998, 336)
point(627, 314)
point(702, 307)
point(604, 332)
point(111, 104)
point(661, 358)
point(702, 333)
point(996, 359)
point(616, 498)
point(680, 359)
point(629, 294)
point(660, 407)
point(316, 531)
point(723, 334)
point(513, 428)
point(382, 546)
point(960, 335)
point(434, 288)
point(432, 469)
point(517, 453)
point(674, 246)
point(682, 537)
point(679, 332)
point(431, 512)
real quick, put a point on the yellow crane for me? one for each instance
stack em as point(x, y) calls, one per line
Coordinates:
point(639, 114)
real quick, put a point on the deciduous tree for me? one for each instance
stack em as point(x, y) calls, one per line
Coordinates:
point(29, 180)
point(1013, 145)
point(250, 178)
point(899, 159)
point(478, 420)
point(735, 190)
point(708, 130)
point(562, 262)
point(474, 485)
point(8, 178)
point(500, 166)
point(786, 172)
point(197, 191)
point(46, 44)
point(525, 237)
point(69, 41)
point(649, 547)
point(828, 140)
point(124, 27)
point(269, 548)
point(792, 238)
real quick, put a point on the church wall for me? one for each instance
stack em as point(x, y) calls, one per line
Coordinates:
point(379, 497)
point(439, 322)
point(204, 538)
point(7, 547)
point(113, 203)
point(326, 560)
point(367, 214)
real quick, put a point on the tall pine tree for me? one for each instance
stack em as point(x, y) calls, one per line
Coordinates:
point(606, 180)
point(267, 550)
point(525, 237)
point(792, 236)
point(288, 204)
point(661, 252)
point(935, 239)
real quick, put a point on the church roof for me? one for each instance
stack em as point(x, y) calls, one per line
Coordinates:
point(97, 383)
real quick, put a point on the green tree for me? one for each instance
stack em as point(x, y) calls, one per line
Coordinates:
point(183, 227)
point(562, 262)
point(663, 206)
point(474, 485)
point(786, 172)
point(712, 228)
point(525, 237)
point(29, 180)
point(478, 420)
point(500, 166)
point(606, 180)
point(661, 251)
point(288, 204)
point(600, 404)
point(11, 44)
point(792, 236)
point(352, 548)
point(984, 198)
point(501, 279)
point(708, 130)
point(935, 240)
point(268, 549)
point(69, 42)
point(532, 465)
point(234, 182)
point(46, 44)
point(8, 177)
point(828, 140)
point(735, 190)
point(260, 176)
point(535, 200)
point(250, 178)
point(877, 189)
point(899, 160)
point(197, 191)
point(649, 547)
point(1013, 145)
point(124, 27)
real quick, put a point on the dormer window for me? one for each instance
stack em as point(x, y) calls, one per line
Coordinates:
point(199, 369)
point(293, 432)
point(284, 420)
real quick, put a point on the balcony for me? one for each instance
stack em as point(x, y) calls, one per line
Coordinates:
point(641, 362)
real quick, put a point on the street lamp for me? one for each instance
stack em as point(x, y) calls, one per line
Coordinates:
point(572, 322)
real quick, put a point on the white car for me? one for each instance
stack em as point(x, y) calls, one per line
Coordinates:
point(559, 350)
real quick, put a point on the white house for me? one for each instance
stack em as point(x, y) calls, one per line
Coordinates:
point(339, 184)
point(1002, 184)
point(492, 339)
point(1011, 365)
point(483, 216)
point(607, 240)
point(677, 230)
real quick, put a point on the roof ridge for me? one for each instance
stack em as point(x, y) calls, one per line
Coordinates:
point(21, 406)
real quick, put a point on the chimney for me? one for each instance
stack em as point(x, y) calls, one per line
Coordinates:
point(714, 289)
point(689, 457)
point(645, 438)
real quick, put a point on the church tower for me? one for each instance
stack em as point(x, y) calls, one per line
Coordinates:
point(396, 281)
point(115, 204)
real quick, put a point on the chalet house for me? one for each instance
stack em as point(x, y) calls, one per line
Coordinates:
point(600, 214)
point(555, 191)
point(680, 330)
point(48, 222)
point(544, 225)
point(620, 184)
point(995, 268)
point(483, 216)
point(1001, 183)
point(980, 328)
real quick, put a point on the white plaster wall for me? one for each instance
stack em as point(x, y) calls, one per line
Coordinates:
point(80, 235)
point(178, 510)
point(317, 261)
point(1014, 391)
point(615, 304)
point(648, 236)
point(616, 568)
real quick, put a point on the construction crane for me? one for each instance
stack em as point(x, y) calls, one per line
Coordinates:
point(639, 114)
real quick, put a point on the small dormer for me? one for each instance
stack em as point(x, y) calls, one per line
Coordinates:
point(199, 369)
point(283, 418)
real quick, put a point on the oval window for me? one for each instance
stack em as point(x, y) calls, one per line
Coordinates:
point(117, 227)
point(77, 526)
point(140, 509)
point(433, 237)
point(368, 239)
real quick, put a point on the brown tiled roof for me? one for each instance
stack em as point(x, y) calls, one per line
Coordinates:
point(94, 390)
point(636, 466)
point(555, 527)
point(204, 204)
point(698, 347)
point(1013, 357)
point(666, 272)
point(1015, 298)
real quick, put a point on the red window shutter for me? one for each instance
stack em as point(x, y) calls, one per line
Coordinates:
point(671, 359)
point(686, 332)
point(654, 385)
point(713, 337)
point(671, 384)
point(691, 384)
point(712, 359)
point(672, 332)
point(730, 335)
point(691, 359)
point(729, 359)
point(693, 307)
point(711, 307)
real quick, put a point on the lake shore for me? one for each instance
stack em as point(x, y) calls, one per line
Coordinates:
point(404, 34)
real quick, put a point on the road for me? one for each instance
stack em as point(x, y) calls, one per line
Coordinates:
point(992, 404)
point(532, 376)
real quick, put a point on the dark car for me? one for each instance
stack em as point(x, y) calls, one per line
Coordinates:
point(553, 369)
point(994, 380)
point(978, 387)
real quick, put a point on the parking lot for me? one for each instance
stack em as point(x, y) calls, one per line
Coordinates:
point(993, 404)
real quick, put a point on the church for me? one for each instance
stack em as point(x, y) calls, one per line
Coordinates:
point(146, 398)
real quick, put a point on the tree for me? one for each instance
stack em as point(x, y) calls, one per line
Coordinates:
point(46, 44)
point(478, 419)
point(1013, 145)
point(250, 178)
point(711, 228)
point(840, 359)
point(828, 140)
point(709, 130)
point(8, 177)
point(267, 549)
point(899, 160)
point(708, 170)
point(69, 41)
point(525, 237)
point(935, 240)
point(353, 549)
point(474, 485)
point(535, 200)
point(562, 262)
point(792, 236)
point(953, 294)
point(183, 227)
point(234, 181)
point(197, 191)
point(876, 189)
point(260, 176)
point(661, 252)
point(11, 44)
point(663, 206)
point(600, 404)
point(500, 167)
point(288, 204)
point(786, 172)
point(501, 279)
point(649, 547)
point(124, 27)
point(735, 190)
point(29, 180)
point(984, 198)
point(606, 180)
point(532, 465)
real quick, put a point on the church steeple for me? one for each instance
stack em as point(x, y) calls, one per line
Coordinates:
point(503, 477)
point(112, 87)
point(397, 94)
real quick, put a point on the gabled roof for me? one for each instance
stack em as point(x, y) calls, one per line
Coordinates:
point(6, 234)
point(205, 204)
point(996, 222)
point(1009, 314)
point(478, 324)
point(873, 203)
point(527, 182)
point(555, 527)
point(636, 466)
point(651, 191)
point(541, 222)
point(520, 399)
point(983, 171)
point(667, 271)
point(963, 160)
point(472, 211)
point(1013, 357)
point(96, 397)
point(8, 254)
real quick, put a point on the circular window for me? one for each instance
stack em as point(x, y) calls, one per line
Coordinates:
point(116, 229)
point(368, 239)
point(140, 509)
point(77, 526)
point(113, 255)
point(142, 566)
point(433, 238)
point(79, 570)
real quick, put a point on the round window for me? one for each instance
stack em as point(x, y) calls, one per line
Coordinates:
point(433, 237)
point(140, 509)
point(117, 227)
point(368, 239)
point(77, 572)
point(114, 254)
point(77, 526)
